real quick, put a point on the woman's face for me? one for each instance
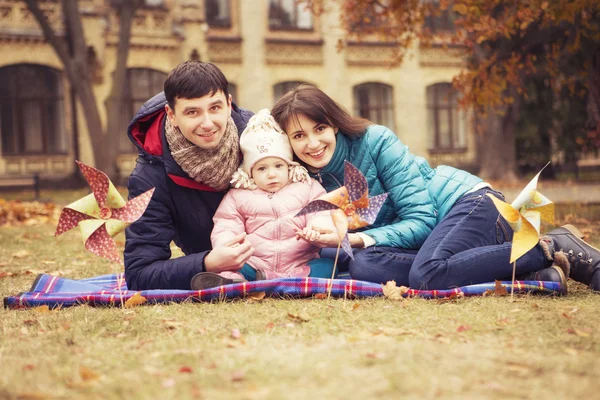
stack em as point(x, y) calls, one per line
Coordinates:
point(312, 142)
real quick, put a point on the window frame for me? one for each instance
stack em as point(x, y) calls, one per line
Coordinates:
point(435, 105)
point(219, 23)
point(294, 24)
point(16, 101)
point(129, 101)
point(380, 108)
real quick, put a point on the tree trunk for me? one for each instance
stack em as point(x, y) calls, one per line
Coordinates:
point(594, 88)
point(497, 146)
point(74, 59)
point(114, 102)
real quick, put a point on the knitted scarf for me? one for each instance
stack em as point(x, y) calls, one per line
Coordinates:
point(211, 167)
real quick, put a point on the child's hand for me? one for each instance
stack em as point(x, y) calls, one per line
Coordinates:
point(308, 234)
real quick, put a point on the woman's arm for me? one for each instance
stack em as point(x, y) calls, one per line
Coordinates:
point(398, 171)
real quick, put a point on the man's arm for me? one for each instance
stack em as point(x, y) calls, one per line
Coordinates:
point(147, 248)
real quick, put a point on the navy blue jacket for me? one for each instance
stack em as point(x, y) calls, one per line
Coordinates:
point(181, 209)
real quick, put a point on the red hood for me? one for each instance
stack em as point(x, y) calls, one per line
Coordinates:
point(146, 132)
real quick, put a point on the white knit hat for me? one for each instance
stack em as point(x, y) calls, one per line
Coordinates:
point(262, 138)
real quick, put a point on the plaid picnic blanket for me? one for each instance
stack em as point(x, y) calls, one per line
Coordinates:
point(111, 290)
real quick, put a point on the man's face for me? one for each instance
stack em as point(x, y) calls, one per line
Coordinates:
point(202, 121)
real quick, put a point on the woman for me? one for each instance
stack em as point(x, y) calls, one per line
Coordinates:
point(438, 229)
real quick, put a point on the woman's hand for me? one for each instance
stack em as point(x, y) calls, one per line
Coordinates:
point(327, 238)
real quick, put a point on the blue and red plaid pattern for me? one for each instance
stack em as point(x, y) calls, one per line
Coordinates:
point(111, 290)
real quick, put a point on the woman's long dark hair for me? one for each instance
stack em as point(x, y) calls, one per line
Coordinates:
point(316, 105)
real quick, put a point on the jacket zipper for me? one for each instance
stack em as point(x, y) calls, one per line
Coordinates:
point(277, 232)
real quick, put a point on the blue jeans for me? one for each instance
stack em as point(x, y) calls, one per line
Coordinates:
point(470, 245)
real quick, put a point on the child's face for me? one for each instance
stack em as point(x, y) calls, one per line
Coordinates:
point(270, 174)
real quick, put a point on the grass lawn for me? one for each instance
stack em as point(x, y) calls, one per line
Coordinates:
point(490, 347)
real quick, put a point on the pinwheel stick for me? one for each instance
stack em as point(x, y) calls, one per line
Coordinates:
point(337, 254)
point(512, 289)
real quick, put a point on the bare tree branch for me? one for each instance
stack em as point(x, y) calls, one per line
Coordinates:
point(48, 32)
point(73, 19)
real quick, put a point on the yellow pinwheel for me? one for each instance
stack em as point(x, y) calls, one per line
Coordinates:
point(524, 216)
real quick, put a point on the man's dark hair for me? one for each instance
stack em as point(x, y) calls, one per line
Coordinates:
point(194, 79)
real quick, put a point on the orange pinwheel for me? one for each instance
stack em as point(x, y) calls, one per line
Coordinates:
point(351, 206)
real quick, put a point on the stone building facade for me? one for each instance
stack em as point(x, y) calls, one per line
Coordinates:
point(264, 47)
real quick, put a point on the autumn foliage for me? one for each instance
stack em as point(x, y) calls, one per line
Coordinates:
point(507, 45)
point(14, 212)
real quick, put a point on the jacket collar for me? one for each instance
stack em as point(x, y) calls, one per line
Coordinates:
point(333, 173)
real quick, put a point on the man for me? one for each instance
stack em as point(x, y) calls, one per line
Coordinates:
point(188, 145)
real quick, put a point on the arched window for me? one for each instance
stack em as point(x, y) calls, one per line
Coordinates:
point(140, 85)
point(445, 122)
point(374, 101)
point(31, 110)
point(282, 88)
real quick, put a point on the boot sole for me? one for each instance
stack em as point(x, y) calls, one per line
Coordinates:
point(563, 279)
point(208, 280)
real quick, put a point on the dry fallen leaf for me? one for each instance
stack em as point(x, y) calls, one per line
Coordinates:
point(21, 254)
point(300, 317)
point(256, 295)
point(393, 292)
point(32, 396)
point(172, 324)
point(87, 374)
point(169, 382)
point(585, 332)
point(355, 307)
point(571, 351)
point(135, 300)
point(320, 296)
point(42, 309)
point(238, 376)
point(500, 290)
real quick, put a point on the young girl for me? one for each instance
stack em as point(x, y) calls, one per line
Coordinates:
point(269, 190)
point(438, 228)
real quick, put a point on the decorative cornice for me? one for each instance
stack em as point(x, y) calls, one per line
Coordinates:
point(290, 41)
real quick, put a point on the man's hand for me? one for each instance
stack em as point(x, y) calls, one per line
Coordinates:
point(230, 256)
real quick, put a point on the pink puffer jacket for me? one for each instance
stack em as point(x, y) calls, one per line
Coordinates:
point(268, 219)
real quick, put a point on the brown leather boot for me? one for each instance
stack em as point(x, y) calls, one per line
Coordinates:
point(550, 274)
point(583, 258)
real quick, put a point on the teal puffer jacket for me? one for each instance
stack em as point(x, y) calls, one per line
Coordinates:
point(446, 185)
point(408, 215)
point(418, 195)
